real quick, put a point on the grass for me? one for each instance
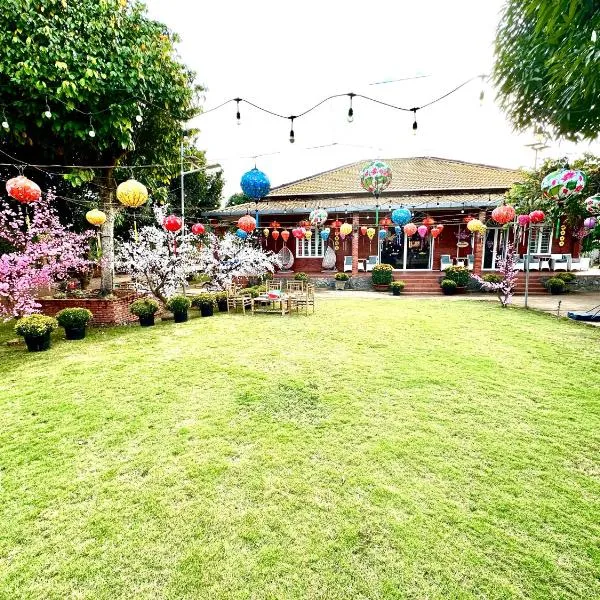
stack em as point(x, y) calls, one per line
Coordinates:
point(395, 448)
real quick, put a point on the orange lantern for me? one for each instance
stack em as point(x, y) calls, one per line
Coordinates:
point(503, 214)
point(23, 190)
point(410, 229)
point(247, 223)
point(428, 222)
point(274, 224)
point(435, 232)
point(467, 218)
point(275, 234)
point(285, 235)
point(385, 222)
point(363, 230)
point(440, 228)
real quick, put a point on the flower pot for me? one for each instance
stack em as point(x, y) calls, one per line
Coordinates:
point(395, 292)
point(180, 317)
point(37, 343)
point(222, 304)
point(340, 285)
point(381, 287)
point(556, 290)
point(449, 291)
point(75, 333)
point(147, 321)
point(206, 310)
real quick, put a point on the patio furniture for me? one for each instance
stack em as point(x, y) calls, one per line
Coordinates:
point(274, 284)
point(470, 261)
point(306, 298)
point(461, 261)
point(273, 302)
point(362, 264)
point(580, 264)
point(295, 288)
point(371, 262)
point(589, 315)
point(520, 264)
point(235, 299)
point(445, 262)
point(347, 263)
point(534, 263)
point(544, 261)
point(561, 264)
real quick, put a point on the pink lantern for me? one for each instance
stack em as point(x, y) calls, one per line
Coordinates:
point(247, 223)
point(422, 230)
point(23, 190)
point(590, 223)
point(440, 227)
point(198, 229)
point(523, 220)
point(410, 229)
point(298, 233)
point(537, 216)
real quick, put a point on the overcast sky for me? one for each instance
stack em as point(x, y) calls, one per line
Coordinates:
point(287, 56)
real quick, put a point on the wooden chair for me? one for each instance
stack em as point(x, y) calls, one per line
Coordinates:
point(274, 284)
point(235, 299)
point(295, 288)
point(306, 298)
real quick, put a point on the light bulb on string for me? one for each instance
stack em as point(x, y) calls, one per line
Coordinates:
point(414, 125)
point(47, 112)
point(482, 92)
point(292, 135)
point(237, 114)
point(91, 132)
point(351, 109)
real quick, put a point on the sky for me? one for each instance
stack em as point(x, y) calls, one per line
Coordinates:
point(287, 56)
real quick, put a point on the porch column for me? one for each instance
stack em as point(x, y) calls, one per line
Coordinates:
point(478, 249)
point(355, 243)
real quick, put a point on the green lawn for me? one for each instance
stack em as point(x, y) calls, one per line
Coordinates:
point(391, 448)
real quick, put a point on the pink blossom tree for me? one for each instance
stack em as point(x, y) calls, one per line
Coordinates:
point(506, 287)
point(43, 251)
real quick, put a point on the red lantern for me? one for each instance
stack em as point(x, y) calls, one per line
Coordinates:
point(285, 235)
point(363, 230)
point(172, 223)
point(410, 229)
point(467, 218)
point(440, 228)
point(23, 190)
point(435, 232)
point(428, 222)
point(275, 225)
point(385, 222)
point(503, 214)
point(198, 229)
point(305, 224)
point(537, 216)
point(275, 234)
point(336, 224)
point(247, 223)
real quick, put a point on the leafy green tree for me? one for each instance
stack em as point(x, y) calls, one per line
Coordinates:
point(237, 199)
point(548, 65)
point(98, 83)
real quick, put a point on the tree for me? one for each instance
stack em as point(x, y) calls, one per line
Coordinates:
point(237, 199)
point(94, 82)
point(40, 252)
point(548, 65)
point(506, 287)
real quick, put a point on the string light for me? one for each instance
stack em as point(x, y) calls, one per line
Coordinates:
point(351, 110)
point(47, 112)
point(482, 93)
point(292, 135)
point(139, 118)
point(414, 125)
point(91, 132)
point(237, 114)
point(5, 124)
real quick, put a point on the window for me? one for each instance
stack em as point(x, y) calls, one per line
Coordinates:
point(541, 240)
point(313, 248)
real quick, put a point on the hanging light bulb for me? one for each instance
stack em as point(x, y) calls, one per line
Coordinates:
point(237, 114)
point(414, 125)
point(292, 135)
point(5, 124)
point(351, 110)
point(482, 92)
point(47, 112)
point(91, 132)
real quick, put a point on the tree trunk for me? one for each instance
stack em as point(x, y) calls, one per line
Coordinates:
point(107, 195)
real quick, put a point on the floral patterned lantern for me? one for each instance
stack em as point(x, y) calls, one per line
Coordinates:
point(318, 217)
point(255, 184)
point(428, 221)
point(198, 229)
point(503, 214)
point(172, 223)
point(23, 190)
point(247, 223)
point(346, 229)
point(241, 234)
point(132, 193)
point(537, 216)
point(275, 234)
point(298, 232)
point(422, 230)
point(401, 216)
point(523, 220)
point(563, 183)
point(95, 217)
point(590, 222)
point(410, 229)
point(592, 204)
point(376, 177)
point(370, 232)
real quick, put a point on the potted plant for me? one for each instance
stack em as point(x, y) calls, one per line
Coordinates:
point(74, 321)
point(567, 277)
point(555, 285)
point(206, 303)
point(397, 287)
point(221, 298)
point(144, 309)
point(460, 276)
point(340, 280)
point(448, 286)
point(36, 330)
point(301, 277)
point(179, 306)
point(382, 277)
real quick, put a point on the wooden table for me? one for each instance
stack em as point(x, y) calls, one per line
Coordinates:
point(264, 304)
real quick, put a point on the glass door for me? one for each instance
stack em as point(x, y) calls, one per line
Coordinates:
point(494, 247)
point(418, 252)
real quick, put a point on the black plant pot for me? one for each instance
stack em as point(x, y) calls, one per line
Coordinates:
point(37, 343)
point(75, 333)
point(206, 310)
point(395, 292)
point(449, 291)
point(222, 304)
point(147, 321)
point(180, 317)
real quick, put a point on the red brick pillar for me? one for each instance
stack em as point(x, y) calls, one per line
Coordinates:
point(478, 250)
point(355, 244)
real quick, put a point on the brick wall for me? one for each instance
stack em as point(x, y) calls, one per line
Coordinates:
point(106, 312)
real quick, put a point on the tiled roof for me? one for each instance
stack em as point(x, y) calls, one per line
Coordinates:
point(362, 203)
point(419, 174)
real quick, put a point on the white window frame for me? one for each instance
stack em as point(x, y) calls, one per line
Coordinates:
point(313, 248)
point(540, 236)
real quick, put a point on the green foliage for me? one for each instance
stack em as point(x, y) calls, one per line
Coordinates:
point(547, 65)
point(35, 325)
point(382, 274)
point(237, 199)
point(178, 304)
point(448, 286)
point(59, 295)
point(74, 318)
point(143, 307)
point(492, 278)
point(460, 276)
point(566, 276)
point(342, 276)
point(555, 285)
point(300, 276)
point(397, 286)
point(205, 299)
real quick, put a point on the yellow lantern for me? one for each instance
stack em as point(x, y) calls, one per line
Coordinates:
point(346, 229)
point(308, 234)
point(475, 225)
point(132, 193)
point(95, 217)
point(370, 233)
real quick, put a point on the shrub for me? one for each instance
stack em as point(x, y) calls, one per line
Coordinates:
point(35, 326)
point(221, 297)
point(76, 293)
point(178, 304)
point(492, 278)
point(74, 318)
point(397, 285)
point(382, 274)
point(301, 277)
point(205, 299)
point(555, 285)
point(460, 275)
point(567, 277)
point(249, 291)
point(59, 296)
point(448, 286)
point(342, 276)
point(143, 307)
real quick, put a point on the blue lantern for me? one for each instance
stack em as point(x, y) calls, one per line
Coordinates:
point(255, 184)
point(325, 234)
point(401, 216)
point(241, 234)
point(382, 234)
point(398, 229)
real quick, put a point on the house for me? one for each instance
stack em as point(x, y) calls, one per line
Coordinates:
point(445, 192)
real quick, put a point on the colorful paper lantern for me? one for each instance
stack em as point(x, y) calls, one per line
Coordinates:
point(428, 222)
point(468, 218)
point(318, 217)
point(523, 220)
point(247, 223)
point(285, 235)
point(592, 204)
point(371, 232)
point(275, 234)
point(172, 223)
point(385, 222)
point(298, 233)
point(410, 229)
point(241, 234)
point(401, 216)
point(398, 229)
point(346, 229)
point(266, 232)
point(363, 230)
point(590, 222)
point(198, 229)
point(537, 216)
point(325, 234)
point(563, 183)
point(422, 230)
point(440, 227)
point(23, 190)
point(132, 193)
point(382, 234)
point(376, 177)
point(503, 214)
point(336, 224)
point(308, 234)
point(274, 224)
point(255, 184)
point(475, 225)
point(435, 232)
point(95, 217)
